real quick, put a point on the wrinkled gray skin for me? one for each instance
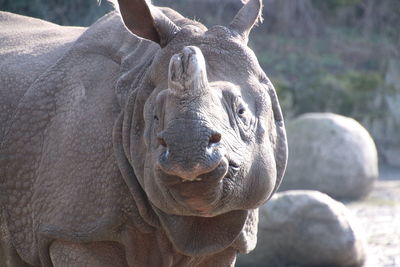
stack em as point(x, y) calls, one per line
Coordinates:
point(146, 141)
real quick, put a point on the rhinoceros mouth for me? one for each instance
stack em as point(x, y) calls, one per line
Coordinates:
point(213, 177)
point(233, 170)
point(203, 196)
point(227, 169)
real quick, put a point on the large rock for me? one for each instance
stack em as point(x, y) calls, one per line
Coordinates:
point(305, 228)
point(332, 154)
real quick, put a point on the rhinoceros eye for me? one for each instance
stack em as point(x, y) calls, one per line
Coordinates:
point(241, 108)
point(155, 118)
point(243, 114)
point(244, 119)
point(241, 111)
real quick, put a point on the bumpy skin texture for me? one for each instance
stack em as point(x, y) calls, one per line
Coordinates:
point(114, 153)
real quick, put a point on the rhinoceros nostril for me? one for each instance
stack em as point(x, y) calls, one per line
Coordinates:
point(161, 141)
point(214, 139)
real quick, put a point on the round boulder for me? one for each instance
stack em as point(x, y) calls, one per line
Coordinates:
point(332, 154)
point(305, 228)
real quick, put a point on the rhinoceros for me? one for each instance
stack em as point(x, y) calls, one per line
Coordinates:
point(146, 139)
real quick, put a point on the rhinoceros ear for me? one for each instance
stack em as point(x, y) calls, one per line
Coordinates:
point(147, 21)
point(246, 18)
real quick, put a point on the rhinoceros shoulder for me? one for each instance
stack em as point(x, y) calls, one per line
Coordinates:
point(28, 47)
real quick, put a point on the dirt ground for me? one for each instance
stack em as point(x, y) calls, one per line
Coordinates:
point(379, 218)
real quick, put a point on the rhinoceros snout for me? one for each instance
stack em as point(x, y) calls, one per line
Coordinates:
point(189, 156)
point(214, 138)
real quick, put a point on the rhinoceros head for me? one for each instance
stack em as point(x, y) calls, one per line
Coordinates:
point(206, 140)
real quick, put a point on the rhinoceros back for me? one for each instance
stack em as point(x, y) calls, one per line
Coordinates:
point(28, 46)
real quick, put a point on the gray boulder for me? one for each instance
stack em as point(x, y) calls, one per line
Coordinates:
point(305, 228)
point(332, 154)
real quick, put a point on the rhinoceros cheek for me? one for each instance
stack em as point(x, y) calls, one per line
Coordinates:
point(255, 187)
point(264, 177)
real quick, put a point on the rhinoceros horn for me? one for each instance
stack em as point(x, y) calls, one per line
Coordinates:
point(142, 19)
point(246, 18)
point(187, 74)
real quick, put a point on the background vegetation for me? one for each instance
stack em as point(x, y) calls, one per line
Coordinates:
point(322, 55)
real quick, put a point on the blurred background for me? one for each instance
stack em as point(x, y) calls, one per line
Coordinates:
point(338, 56)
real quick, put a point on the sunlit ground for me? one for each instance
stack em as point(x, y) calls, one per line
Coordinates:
point(379, 217)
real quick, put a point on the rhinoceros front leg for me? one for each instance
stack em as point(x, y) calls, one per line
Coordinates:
point(99, 254)
point(8, 255)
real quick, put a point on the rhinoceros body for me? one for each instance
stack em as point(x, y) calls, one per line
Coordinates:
point(143, 141)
